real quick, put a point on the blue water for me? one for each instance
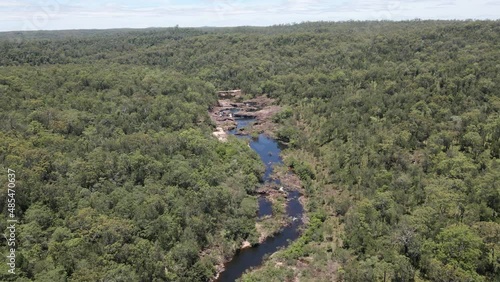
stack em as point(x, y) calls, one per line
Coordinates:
point(265, 207)
point(269, 151)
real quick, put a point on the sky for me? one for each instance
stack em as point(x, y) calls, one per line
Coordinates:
point(102, 14)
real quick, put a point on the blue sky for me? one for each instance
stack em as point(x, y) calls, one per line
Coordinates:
point(80, 14)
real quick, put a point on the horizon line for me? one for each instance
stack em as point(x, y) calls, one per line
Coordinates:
point(255, 26)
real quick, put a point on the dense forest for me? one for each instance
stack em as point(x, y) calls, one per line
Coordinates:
point(393, 128)
point(118, 175)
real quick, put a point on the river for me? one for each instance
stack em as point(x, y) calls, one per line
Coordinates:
point(269, 151)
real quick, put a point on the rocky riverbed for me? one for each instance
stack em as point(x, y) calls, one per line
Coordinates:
point(280, 214)
point(261, 109)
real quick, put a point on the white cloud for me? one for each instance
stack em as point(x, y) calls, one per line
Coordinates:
point(63, 14)
point(11, 4)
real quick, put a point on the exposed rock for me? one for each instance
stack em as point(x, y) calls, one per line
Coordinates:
point(229, 93)
point(246, 245)
point(260, 108)
point(242, 114)
point(221, 134)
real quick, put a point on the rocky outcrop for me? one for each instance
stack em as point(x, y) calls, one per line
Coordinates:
point(261, 108)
